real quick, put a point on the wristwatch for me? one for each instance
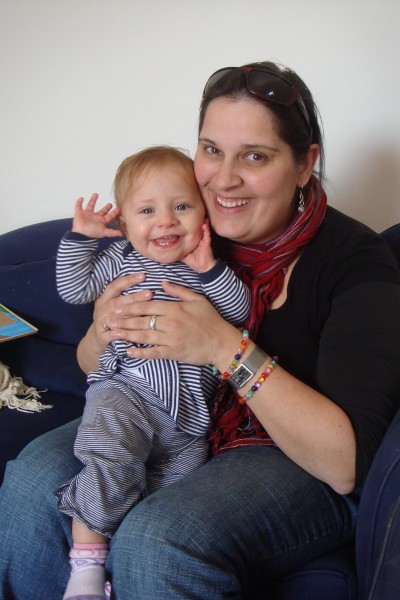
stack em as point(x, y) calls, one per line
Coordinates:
point(247, 369)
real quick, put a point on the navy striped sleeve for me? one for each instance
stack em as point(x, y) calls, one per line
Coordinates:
point(230, 296)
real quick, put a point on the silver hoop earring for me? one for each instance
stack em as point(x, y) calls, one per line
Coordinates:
point(300, 206)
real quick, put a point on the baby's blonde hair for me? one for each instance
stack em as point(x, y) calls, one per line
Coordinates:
point(134, 166)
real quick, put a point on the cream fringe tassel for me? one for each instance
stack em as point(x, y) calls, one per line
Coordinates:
point(15, 394)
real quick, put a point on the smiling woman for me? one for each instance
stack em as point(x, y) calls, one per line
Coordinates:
point(293, 437)
point(248, 179)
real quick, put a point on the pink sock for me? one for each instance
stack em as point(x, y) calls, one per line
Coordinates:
point(87, 577)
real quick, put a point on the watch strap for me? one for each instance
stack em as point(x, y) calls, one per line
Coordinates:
point(248, 368)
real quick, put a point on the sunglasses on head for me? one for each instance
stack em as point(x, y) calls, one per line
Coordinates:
point(266, 85)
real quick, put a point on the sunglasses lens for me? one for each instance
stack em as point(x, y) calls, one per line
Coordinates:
point(270, 87)
point(217, 78)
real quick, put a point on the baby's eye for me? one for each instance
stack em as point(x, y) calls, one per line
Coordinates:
point(181, 206)
point(147, 211)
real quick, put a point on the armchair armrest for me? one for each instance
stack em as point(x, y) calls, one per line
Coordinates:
point(378, 529)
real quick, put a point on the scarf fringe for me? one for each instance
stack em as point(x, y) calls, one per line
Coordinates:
point(15, 394)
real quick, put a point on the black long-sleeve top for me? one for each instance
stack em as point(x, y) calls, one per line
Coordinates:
point(339, 329)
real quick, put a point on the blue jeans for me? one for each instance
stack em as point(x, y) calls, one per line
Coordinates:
point(224, 531)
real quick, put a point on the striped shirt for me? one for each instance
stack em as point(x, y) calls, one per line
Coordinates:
point(83, 274)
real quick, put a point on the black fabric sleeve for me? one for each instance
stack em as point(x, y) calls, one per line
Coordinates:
point(358, 362)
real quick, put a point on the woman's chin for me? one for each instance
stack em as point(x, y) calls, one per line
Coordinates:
point(231, 233)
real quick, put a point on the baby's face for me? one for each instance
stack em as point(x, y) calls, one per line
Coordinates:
point(162, 214)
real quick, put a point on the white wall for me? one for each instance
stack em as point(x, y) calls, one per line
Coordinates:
point(86, 82)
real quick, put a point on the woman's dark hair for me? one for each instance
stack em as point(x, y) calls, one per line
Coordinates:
point(293, 128)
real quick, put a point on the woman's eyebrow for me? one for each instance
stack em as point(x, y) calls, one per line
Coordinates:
point(207, 141)
point(246, 146)
point(257, 145)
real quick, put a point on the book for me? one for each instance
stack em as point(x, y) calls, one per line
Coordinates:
point(12, 326)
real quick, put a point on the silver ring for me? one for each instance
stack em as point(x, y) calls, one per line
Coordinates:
point(152, 322)
point(106, 327)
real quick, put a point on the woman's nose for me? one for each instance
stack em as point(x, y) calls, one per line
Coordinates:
point(227, 176)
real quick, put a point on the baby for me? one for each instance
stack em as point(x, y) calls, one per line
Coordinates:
point(145, 421)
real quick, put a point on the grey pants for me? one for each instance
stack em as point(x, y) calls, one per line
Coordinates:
point(130, 446)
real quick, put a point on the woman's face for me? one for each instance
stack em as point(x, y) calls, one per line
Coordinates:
point(246, 173)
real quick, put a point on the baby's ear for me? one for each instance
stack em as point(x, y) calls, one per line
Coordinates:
point(122, 225)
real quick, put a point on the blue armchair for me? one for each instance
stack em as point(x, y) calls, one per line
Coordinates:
point(368, 570)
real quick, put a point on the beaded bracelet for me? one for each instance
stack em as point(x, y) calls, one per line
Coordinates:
point(260, 381)
point(237, 357)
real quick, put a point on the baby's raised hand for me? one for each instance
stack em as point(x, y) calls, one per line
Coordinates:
point(94, 224)
point(201, 259)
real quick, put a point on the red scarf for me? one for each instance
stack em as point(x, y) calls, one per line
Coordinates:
point(262, 267)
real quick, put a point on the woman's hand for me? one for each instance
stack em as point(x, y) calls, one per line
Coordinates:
point(107, 322)
point(190, 331)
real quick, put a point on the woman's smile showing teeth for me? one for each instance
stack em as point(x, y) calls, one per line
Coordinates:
point(232, 203)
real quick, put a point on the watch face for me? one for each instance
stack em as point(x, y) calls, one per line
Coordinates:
point(240, 376)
